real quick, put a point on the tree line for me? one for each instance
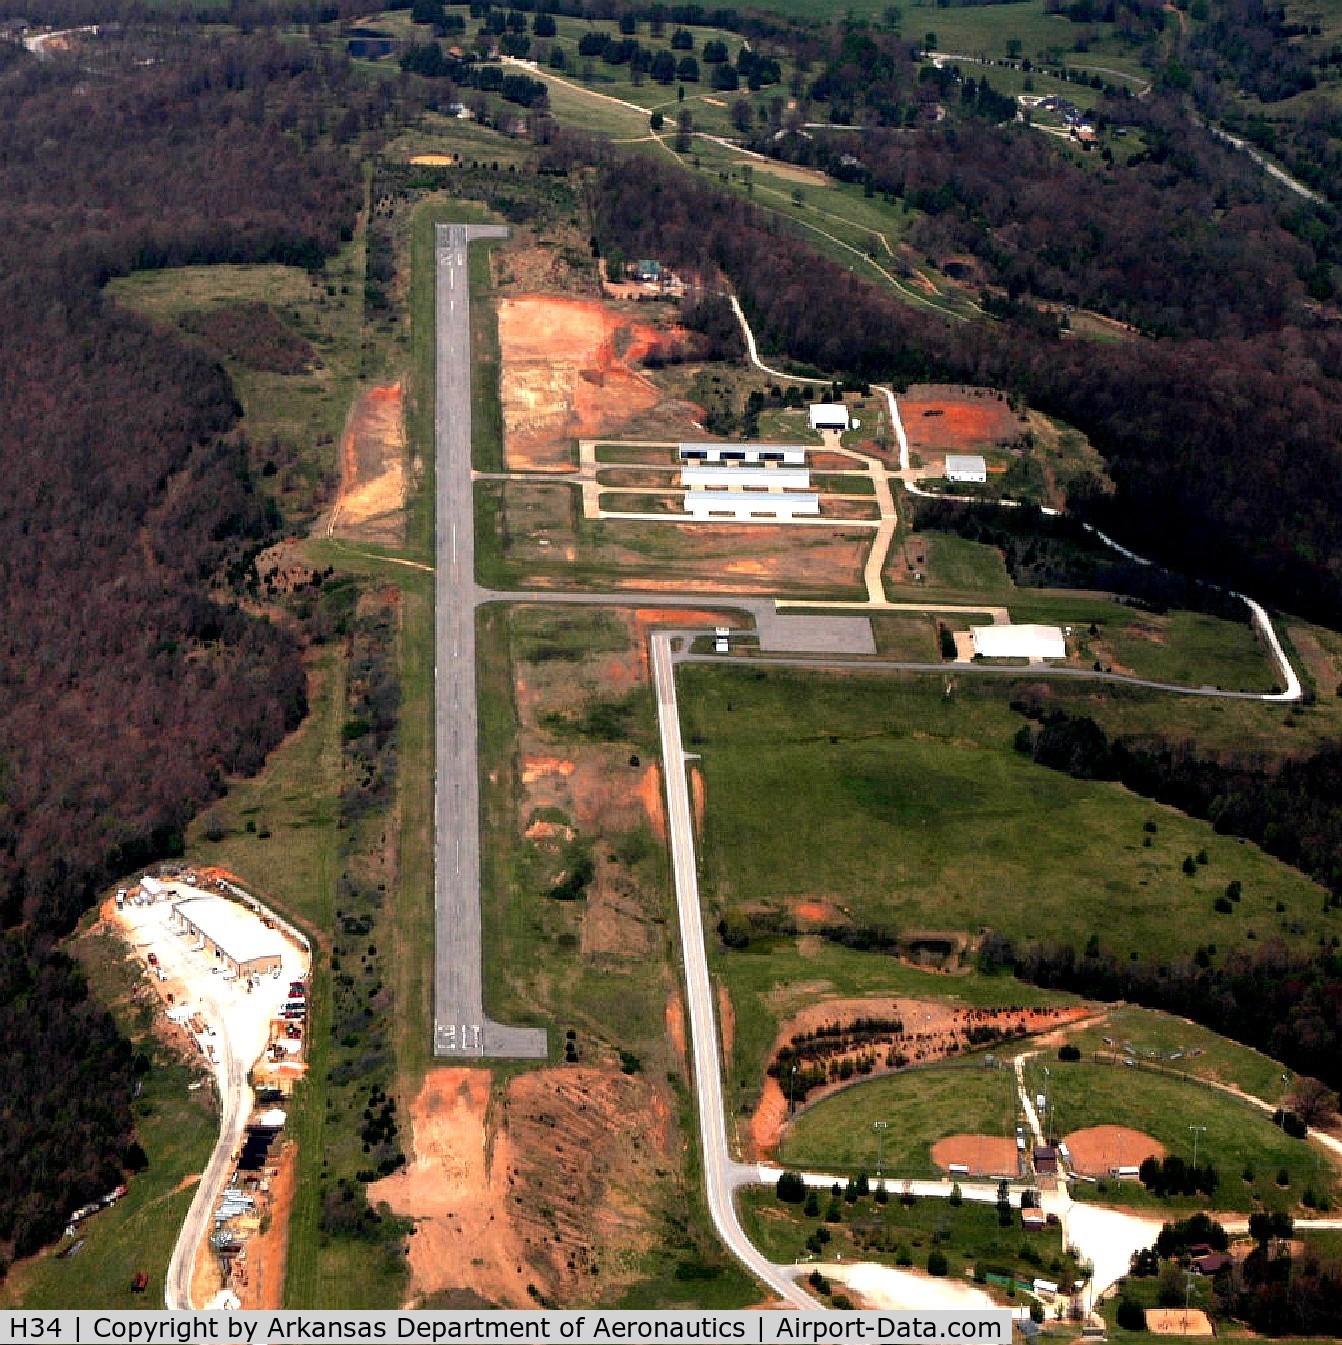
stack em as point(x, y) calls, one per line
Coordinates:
point(133, 681)
point(1206, 440)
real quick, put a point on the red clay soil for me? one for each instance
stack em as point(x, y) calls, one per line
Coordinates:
point(983, 1155)
point(464, 1238)
point(1097, 1150)
point(947, 420)
point(768, 1119)
point(650, 796)
point(568, 373)
point(817, 912)
point(675, 1024)
point(548, 1187)
point(372, 468)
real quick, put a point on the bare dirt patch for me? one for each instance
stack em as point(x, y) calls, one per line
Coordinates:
point(1178, 1321)
point(650, 796)
point(537, 768)
point(675, 1024)
point(1097, 1150)
point(584, 1150)
point(569, 372)
point(768, 1119)
point(817, 912)
point(726, 1021)
point(953, 420)
point(372, 470)
point(982, 1155)
point(697, 792)
point(464, 1237)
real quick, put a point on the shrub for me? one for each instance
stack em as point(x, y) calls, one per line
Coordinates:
point(937, 1264)
point(1130, 1315)
point(791, 1189)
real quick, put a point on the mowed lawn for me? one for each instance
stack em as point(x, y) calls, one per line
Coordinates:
point(1248, 1151)
point(903, 800)
point(920, 1107)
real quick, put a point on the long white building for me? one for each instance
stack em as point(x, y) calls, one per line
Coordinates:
point(741, 505)
point(1027, 642)
point(787, 455)
point(711, 477)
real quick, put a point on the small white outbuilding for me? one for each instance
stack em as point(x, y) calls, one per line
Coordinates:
point(967, 468)
point(1028, 642)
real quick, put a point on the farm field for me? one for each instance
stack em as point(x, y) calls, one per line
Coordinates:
point(1248, 1151)
point(903, 800)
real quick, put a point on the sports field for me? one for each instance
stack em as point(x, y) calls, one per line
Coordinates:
point(921, 1106)
point(1248, 1151)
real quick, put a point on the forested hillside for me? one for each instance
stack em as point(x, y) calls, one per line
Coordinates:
point(131, 682)
point(1237, 438)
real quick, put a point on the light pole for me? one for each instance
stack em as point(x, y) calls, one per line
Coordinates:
point(880, 1127)
point(792, 1091)
point(1197, 1130)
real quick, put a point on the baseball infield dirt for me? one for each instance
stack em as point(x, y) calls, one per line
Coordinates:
point(1097, 1150)
point(983, 1155)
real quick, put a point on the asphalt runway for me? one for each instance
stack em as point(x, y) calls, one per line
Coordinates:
point(461, 1028)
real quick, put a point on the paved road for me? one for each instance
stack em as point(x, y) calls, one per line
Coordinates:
point(235, 1106)
point(720, 1173)
point(461, 1028)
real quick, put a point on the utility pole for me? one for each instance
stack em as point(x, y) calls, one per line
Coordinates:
point(880, 1127)
point(792, 1091)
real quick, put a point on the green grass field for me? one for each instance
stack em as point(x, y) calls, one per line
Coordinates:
point(177, 1128)
point(908, 804)
point(921, 1106)
point(1236, 1138)
point(1185, 1048)
point(293, 421)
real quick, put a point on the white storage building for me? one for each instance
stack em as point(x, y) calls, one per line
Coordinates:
point(787, 455)
point(232, 933)
point(829, 416)
point(1028, 642)
point(969, 468)
point(757, 478)
point(741, 505)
